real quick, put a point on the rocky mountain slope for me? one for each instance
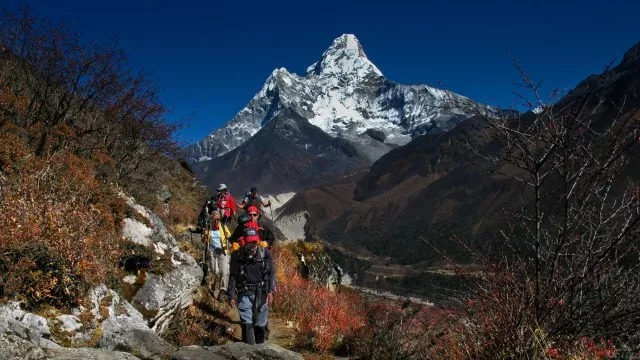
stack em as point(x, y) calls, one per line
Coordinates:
point(431, 189)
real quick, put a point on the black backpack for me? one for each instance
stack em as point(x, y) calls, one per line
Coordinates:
point(259, 257)
point(203, 218)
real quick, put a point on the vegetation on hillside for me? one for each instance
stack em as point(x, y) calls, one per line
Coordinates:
point(78, 127)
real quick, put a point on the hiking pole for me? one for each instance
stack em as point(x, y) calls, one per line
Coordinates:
point(205, 265)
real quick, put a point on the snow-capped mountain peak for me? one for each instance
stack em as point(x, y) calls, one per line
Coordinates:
point(345, 56)
point(346, 96)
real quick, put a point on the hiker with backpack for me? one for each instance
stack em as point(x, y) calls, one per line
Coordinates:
point(253, 215)
point(203, 218)
point(252, 282)
point(219, 250)
point(226, 204)
point(252, 198)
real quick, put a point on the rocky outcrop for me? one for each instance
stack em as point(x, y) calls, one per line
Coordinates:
point(319, 267)
point(27, 326)
point(127, 334)
point(162, 294)
point(87, 354)
point(236, 351)
point(124, 336)
point(13, 347)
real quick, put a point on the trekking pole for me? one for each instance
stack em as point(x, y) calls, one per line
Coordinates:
point(205, 265)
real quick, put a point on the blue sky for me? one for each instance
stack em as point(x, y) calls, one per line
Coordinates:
point(211, 57)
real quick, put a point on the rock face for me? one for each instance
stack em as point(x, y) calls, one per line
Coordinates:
point(127, 334)
point(162, 294)
point(24, 325)
point(87, 354)
point(236, 351)
point(13, 347)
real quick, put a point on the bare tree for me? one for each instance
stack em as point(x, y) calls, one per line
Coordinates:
point(79, 96)
point(569, 258)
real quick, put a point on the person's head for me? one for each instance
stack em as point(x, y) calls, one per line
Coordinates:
point(253, 213)
point(215, 217)
point(222, 188)
point(251, 248)
point(254, 191)
point(243, 219)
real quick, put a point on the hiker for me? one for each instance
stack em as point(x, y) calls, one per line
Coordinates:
point(251, 284)
point(252, 198)
point(252, 215)
point(203, 218)
point(226, 204)
point(219, 250)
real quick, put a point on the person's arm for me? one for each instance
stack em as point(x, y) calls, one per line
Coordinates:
point(263, 202)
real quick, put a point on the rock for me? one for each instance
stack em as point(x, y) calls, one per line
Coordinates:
point(116, 306)
point(235, 351)
point(126, 334)
point(319, 267)
point(28, 326)
point(12, 347)
point(87, 354)
point(129, 279)
point(376, 134)
point(37, 323)
point(164, 194)
point(69, 323)
point(136, 232)
point(164, 294)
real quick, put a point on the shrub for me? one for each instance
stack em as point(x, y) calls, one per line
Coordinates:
point(325, 318)
point(60, 234)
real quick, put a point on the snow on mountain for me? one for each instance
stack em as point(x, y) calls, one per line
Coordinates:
point(344, 94)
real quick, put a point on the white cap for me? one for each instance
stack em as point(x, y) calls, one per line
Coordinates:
point(222, 187)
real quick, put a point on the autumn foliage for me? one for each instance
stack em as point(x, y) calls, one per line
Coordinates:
point(59, 232)
point(78, 128)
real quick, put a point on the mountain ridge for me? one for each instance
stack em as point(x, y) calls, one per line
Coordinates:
point(344, 94)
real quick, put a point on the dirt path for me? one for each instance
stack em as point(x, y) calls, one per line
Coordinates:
point(280, 333)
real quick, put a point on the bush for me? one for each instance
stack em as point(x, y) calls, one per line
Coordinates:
point(324, 318)
point(61, 231)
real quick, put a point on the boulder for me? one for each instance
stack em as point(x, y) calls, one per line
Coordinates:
point(166, 293)
point(235, 351)
point(87, 354)
point(28, 326)
point(126, 334)
point(12, 347)
point(163, 294)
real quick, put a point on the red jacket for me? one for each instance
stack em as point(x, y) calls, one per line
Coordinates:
point(227, 204)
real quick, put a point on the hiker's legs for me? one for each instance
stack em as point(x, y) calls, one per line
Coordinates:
point(260, 334)
point(260, 329)
point(245, 310)
point(223, 264)
point(214, 269)
point(266, 330)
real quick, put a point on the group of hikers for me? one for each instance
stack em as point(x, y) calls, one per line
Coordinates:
point(239, 261)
